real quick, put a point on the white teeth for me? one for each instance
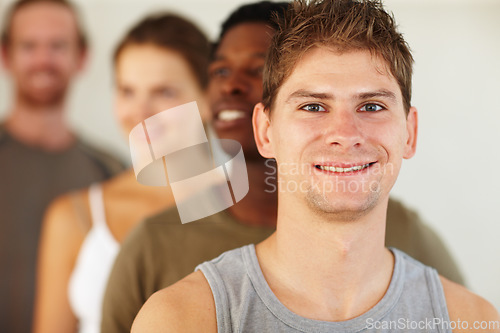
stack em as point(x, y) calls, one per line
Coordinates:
point(228, 115)
point(337, 169)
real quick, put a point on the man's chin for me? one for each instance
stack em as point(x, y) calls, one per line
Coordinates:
point(346, 209)
point(243, 135)
point(43, 98)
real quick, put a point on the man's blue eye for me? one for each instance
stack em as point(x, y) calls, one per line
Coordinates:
point(27, 46)
point(313, 108)
point(371, 107)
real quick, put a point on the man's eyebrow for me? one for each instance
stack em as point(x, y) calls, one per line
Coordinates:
point(378, 93)
point(302, 93)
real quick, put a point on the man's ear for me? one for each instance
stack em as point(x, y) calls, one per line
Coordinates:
point(412, 132)
point(82, 60)
point(4, 57)
point(262, 130)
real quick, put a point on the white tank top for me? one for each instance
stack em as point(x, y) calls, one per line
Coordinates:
point(90, 275)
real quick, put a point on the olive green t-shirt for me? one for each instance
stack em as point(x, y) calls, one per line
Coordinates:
point(30, 179)
point(162, 250)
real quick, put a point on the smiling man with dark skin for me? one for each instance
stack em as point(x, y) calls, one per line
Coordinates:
point(162, 250)
point(235, 86)
point(336, 102)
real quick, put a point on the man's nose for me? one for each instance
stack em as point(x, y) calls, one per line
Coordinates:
point(236, 84)
point(42, 55)
point(342, 129)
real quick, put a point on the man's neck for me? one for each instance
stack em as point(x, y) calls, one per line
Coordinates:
point(40, 126)
point(326, 270)
point(259, 206)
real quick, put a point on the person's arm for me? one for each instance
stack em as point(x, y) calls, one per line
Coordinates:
point(468, 311)
point(130, 283)
point(186, 306)
point(61, 238)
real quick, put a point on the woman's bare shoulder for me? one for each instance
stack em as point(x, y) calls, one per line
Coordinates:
point(69, 213)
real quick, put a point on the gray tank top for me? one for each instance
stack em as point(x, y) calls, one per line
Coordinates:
point(414, 301)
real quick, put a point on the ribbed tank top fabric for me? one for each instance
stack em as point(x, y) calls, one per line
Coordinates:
point(245, 303)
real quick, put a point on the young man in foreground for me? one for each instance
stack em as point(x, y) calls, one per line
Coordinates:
point(162, 250)
point(336, 106)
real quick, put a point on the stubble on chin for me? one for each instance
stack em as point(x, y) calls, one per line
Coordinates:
point(325, 204)
point(43, 98)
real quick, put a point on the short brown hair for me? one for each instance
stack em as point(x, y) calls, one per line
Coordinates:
point(344, 25)
point(16, 6)
point(175, 33)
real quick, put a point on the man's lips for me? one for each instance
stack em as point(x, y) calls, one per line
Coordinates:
point(343, 168)
point(43, 79)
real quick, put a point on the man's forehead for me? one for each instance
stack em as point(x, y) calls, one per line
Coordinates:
point(361, 73)
point(251, 39)
point(43, 17)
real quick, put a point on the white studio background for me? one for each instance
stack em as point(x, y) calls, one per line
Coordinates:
point(452, 181)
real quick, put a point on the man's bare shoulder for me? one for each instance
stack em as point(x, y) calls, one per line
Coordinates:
point(186, 306)
point(465, 306)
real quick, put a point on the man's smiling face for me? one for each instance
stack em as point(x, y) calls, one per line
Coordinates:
point(44, 52)
point(236, 82)
point(338, 131)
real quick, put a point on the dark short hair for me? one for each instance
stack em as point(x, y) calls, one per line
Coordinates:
point(260, 12)
point(175, 33)
point(343, 25)
point(18, 5)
